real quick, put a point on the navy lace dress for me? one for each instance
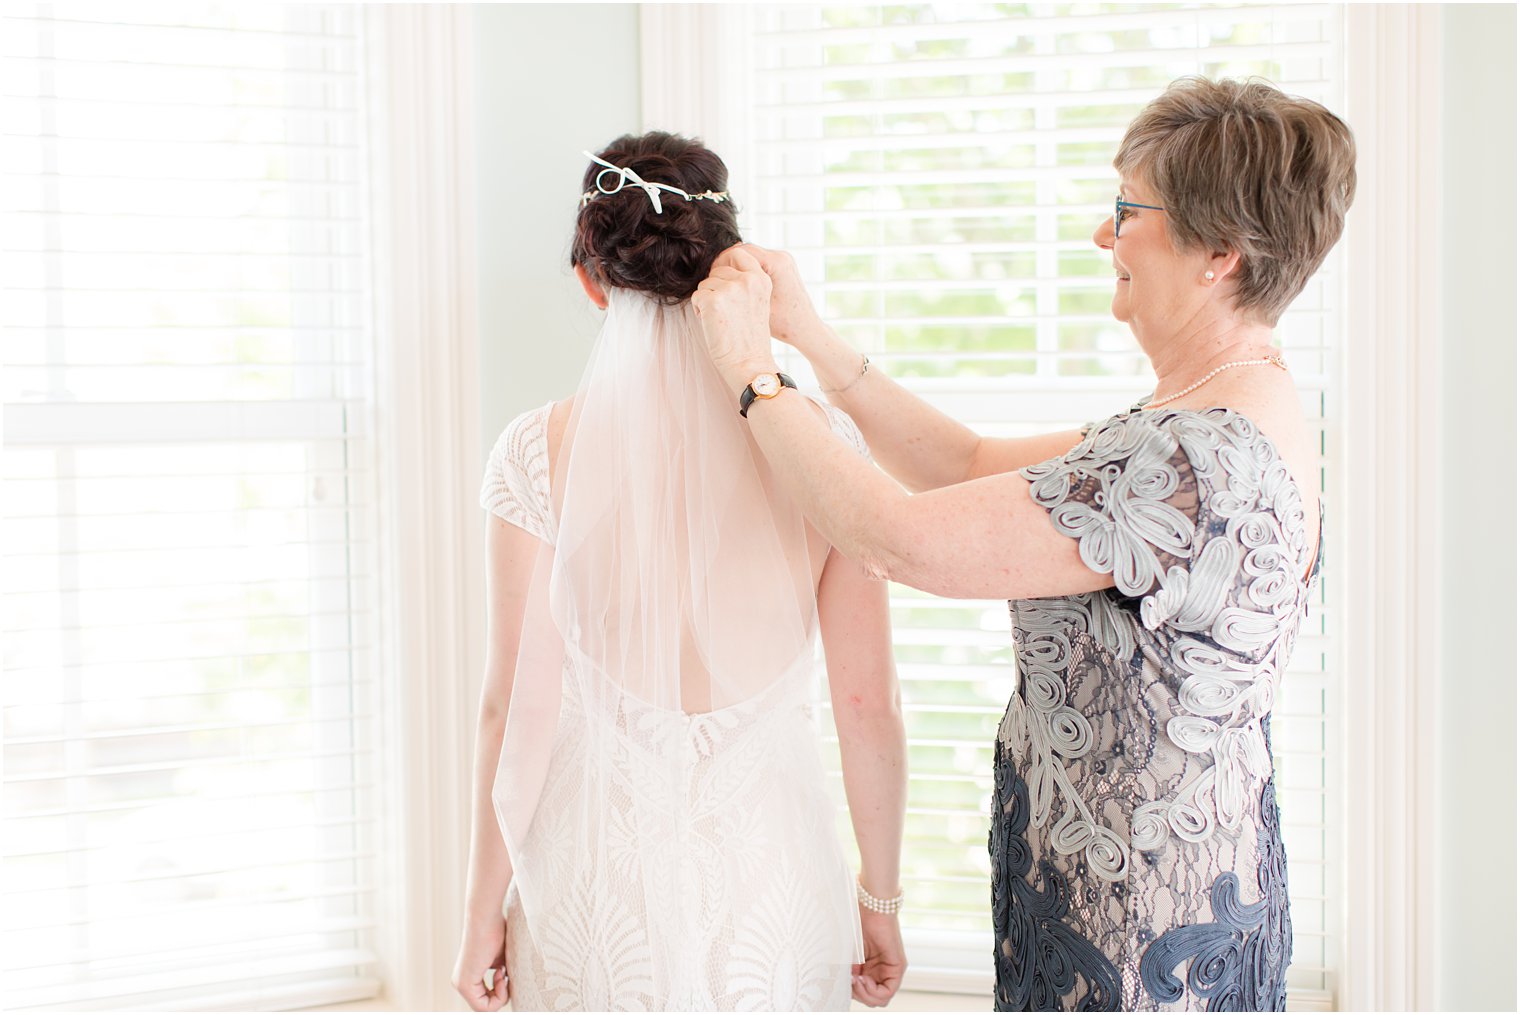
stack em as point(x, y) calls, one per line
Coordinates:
point(1136, 856)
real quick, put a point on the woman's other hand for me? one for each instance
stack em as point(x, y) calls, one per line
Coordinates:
point(794, 319)
point(483, 950)
point(876, 980)
point(734, 304)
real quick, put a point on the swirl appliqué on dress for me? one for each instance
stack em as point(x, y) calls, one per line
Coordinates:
point(1197, 517)
point(1040, 960)
point(1141, 718)
point(1042, 724)
point(1239, 962)
point(1120, 514)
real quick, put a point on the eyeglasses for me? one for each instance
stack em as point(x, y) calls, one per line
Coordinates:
point(1120, 204)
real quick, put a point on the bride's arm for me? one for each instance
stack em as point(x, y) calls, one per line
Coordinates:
point(857, 644)
point(510, 556)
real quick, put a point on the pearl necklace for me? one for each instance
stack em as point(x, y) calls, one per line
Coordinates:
point(1275, 361)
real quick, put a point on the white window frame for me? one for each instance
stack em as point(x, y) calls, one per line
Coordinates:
point(431, 539)
point(433, 571)
point(1392, 647)
point(1391, 434)
point(311, 413)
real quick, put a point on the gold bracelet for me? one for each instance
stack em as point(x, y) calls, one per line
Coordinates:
point(875, 905)
point(865, 363)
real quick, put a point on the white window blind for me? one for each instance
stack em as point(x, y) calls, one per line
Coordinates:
point(188, 513)
point(938, 171)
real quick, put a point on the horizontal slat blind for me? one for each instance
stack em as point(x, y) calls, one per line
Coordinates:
point(938, 172)
point(187, 594)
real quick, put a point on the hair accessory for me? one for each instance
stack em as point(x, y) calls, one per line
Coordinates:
point(622, 175)
point(874, 904)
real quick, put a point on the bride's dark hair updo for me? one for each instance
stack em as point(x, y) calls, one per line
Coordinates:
point(624, 244)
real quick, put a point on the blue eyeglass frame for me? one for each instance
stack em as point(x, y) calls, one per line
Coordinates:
point(1120, 204)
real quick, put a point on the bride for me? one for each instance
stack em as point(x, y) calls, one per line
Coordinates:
point(651, 812)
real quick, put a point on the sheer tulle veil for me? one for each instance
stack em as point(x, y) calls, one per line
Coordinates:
point(678, 587)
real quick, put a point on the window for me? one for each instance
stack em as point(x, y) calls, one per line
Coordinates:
point(938, 171)
point(188, 513)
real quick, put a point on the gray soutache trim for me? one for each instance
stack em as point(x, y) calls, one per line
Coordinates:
point(1134, 807)
point(1195, 513)
point(1041, 958)
point(1239, 962)
point(1122, 477)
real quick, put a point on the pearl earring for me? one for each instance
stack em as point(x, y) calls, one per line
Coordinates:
point(1209, 275)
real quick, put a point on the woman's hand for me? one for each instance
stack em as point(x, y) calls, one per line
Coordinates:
point(877, 978)
point(793, 317)
point(734, 304)
point(483, 950)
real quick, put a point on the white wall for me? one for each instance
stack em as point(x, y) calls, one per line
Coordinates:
point(1477, 777)
point(552, 80)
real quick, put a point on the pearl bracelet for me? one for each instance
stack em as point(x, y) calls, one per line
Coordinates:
point(874, 904)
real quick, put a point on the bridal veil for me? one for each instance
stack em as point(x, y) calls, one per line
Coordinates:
point(673, 612)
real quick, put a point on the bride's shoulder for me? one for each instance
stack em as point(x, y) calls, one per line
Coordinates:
point(516, 482)
point(556, 421)
point(522, 442)
point(841, 423)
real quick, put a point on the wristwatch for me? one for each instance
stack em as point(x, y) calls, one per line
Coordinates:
point(763, 386)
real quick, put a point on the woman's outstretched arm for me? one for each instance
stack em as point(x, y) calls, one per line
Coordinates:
point(918, 445)
point(857, 644)
point(510, 555)
point(982, 539)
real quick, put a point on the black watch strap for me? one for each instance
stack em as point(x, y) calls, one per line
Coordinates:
point(747, 396)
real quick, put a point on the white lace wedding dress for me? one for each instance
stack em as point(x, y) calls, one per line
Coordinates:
point(707, 874)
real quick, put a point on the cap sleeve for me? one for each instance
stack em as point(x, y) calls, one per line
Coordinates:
point(1128, 494)
point(843, 427)
point(516, 483)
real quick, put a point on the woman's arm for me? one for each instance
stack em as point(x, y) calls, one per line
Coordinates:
point(986, 539)
point(857, 644)
point(510, 556)
point(981, 539)
point(919, 446)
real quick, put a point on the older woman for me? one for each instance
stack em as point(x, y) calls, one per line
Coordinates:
point(1158, 562)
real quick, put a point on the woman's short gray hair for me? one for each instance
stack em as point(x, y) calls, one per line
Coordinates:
point(1239, 165)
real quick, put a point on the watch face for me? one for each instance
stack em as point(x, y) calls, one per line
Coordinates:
point(766, 385)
